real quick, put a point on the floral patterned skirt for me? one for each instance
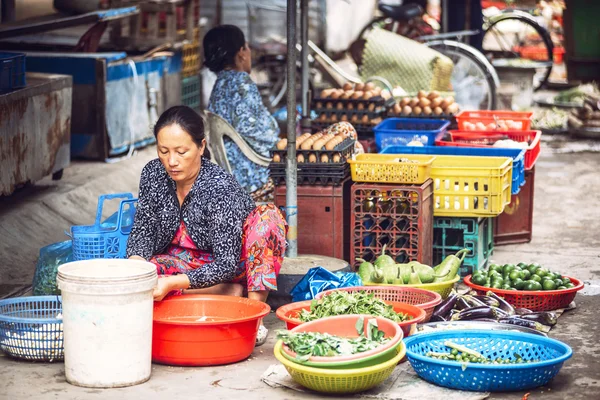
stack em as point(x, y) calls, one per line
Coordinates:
point(263, 248)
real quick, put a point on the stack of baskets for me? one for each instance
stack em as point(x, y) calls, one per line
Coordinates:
point(349, 373)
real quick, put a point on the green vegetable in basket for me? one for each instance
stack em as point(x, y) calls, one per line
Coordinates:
point(365, 270)
point(414, 277)
point(405, 271)
point(377, 276)
point(448, 268)
point(345, 303)
point(426, 273)
point(308, 344)
point(384, 259)
point(390, 273)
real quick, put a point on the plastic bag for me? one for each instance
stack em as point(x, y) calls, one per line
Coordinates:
point(319, 279)
point(51, 257)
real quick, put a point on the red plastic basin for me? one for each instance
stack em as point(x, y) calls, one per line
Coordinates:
point(226, 336)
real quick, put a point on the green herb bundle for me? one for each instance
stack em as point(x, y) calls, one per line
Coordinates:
point(345, 303)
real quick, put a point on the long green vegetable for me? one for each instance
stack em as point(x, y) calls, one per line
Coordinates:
point(345, 303)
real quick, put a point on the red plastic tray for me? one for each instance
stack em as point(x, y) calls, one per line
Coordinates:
point(487, 139)
point(535, 300)
point(487, 117)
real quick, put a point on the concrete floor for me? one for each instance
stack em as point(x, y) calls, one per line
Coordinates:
point(566, 238)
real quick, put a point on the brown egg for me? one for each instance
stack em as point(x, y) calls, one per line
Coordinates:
point(336, 95)
point(438, 111)
point(405, 101)
point(424, 102)
point(354, 118)
point(360, 86)
point(357, 95)
point(427, 110)
point(324, 158)
point(344, 118)
point(312, 158)
point(369, 86)
point(421, 94)
point(368, 94)
point(407, 110)
point(281, 145)
point(436, 102)
point(300, 158)
point(347, 94)
point(433, 95)
point(417, 110)
point(336, 157)
point(397, 109)
point(348, 86)
point(276, 158)
point(364, 119)
point(414, 102)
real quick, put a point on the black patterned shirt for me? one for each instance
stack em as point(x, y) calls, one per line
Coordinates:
point(213, 212)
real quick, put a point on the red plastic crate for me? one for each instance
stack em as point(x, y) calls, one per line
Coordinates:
point(487, 139)
point(323, 218)
point(398, 216)
point(515, 224)
point(487, 117)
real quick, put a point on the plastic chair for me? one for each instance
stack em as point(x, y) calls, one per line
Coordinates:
point(217, 128)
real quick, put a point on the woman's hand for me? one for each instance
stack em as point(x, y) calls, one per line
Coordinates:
point(168, 283)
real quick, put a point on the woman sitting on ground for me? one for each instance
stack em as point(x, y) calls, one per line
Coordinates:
point(236, 99)
point(196, 223)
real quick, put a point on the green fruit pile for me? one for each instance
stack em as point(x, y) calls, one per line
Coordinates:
point(521, 277)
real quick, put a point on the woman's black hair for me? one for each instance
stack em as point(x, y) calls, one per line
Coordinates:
point(221, 45)
point(188, 119)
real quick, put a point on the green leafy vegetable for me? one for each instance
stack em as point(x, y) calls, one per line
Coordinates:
point(308, 344)
point(345, 303)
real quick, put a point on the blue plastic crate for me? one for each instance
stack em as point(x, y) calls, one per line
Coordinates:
point(105, 240)
point(451, 234)
point(190, 92)
point(12, 71)
point(31, 328)
point(518, 156)
point(402, 131)
point(549, 353)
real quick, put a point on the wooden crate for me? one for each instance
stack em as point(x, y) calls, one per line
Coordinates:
point(159, 22)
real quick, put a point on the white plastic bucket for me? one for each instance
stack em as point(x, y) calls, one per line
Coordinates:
point(107, 321)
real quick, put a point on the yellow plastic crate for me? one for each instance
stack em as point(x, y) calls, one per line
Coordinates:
point(470, 186)
point(381, 168)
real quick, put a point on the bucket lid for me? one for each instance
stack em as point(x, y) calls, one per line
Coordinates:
point(106, 270)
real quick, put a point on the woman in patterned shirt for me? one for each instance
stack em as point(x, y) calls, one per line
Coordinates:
point(197, 224)
point(236, 99)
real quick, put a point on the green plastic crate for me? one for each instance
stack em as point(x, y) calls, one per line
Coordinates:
point(451, 234)
point(190, 92)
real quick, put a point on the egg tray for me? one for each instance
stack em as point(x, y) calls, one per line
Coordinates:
point(350, 113)
point(344, 149)
point(375, 104)
point(312, 173)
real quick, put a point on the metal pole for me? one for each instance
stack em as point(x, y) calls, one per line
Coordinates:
point(291, 206)
point(306, 95)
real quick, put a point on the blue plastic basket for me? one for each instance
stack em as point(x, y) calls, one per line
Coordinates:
point(402, 131)
point(31, 328)
point(12, 71)
point(492, 344)
point(518, 156)
point(103, 240)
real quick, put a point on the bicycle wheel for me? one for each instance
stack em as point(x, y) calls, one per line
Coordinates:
point(517, 35)
point(474, 79)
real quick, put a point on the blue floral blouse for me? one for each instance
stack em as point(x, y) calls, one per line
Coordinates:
point(235, 98)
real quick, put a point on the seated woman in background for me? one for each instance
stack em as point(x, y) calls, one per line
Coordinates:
point(236, 99)
point(197, 225)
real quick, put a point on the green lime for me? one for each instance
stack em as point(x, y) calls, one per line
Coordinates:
point(506, 286)
point(497, 285)
point(514, 275)
point(532, 285)
point(561, 288)
point(548, 284)
point(508, 267)
point(569, 285)
point(494, 267)
point(535, 277)
point(518, 283)
point(541, 272)
point(522, 265)
point(566, 281)
point(478, 279)
point(525, 274)
point(558, 282)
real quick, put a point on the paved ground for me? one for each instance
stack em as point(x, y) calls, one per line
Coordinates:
point(566, 238)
